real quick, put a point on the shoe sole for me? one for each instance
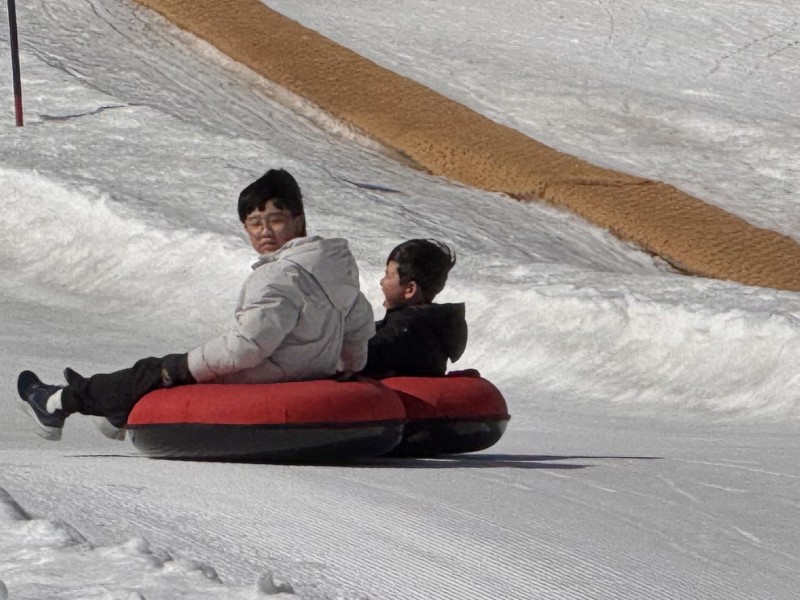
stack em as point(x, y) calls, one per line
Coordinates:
point(52, 434)
point(25, 379)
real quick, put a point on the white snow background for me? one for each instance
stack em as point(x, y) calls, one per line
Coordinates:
point(652, 451)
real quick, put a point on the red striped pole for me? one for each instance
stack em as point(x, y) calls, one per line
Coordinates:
point(12, 29)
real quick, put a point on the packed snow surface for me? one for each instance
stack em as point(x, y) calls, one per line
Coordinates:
point(655, 418)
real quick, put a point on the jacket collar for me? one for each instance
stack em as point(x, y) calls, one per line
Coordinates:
point(285, 249)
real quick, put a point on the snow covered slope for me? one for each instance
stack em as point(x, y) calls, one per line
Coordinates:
point(654, 430)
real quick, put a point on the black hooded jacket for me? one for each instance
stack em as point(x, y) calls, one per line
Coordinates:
point(417, 341)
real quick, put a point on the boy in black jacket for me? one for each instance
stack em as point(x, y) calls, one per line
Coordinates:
point(416, 337)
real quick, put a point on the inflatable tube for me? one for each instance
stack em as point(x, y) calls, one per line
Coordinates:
point(461, 412)
point(319, 421)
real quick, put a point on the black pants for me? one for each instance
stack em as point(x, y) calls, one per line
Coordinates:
point(113, 395)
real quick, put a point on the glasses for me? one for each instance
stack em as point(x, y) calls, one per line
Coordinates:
point(272, 222)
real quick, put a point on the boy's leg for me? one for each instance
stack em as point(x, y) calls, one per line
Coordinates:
point(113, 395)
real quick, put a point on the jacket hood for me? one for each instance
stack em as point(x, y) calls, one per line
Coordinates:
point(328, 261)
point(450, 322)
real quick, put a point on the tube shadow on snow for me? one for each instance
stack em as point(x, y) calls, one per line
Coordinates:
point(488, 461)
point(452, 461)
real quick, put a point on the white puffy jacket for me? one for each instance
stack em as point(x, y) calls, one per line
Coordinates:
point(300, 316)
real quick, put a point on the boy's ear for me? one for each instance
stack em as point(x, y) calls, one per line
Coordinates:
point(300, 224)
point(412, 291)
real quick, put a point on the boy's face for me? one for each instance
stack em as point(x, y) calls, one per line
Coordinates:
point(271, 228)
point(395, 293)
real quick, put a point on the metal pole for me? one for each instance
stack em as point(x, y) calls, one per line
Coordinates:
point(12, 29)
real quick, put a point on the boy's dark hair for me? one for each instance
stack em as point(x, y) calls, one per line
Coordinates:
point(277, 185)
point(427, 262)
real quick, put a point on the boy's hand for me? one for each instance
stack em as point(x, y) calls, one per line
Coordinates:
point(175, 370)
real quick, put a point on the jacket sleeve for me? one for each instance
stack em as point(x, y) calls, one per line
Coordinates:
point(269, 312)
point(359, 327)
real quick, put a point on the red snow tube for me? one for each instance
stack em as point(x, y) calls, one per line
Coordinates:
point(461, 412)
point(322, 420)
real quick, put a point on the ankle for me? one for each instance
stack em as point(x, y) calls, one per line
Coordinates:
point(54, 402)
point(69, 402)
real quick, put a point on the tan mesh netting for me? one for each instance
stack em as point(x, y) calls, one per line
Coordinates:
point(448, 139)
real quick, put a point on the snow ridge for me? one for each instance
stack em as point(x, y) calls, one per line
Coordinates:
point(34, 551)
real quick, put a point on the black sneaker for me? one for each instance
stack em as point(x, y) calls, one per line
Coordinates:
point(34, 395)
point(110, 428)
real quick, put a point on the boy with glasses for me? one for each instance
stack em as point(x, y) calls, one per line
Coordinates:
point(300, 316)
